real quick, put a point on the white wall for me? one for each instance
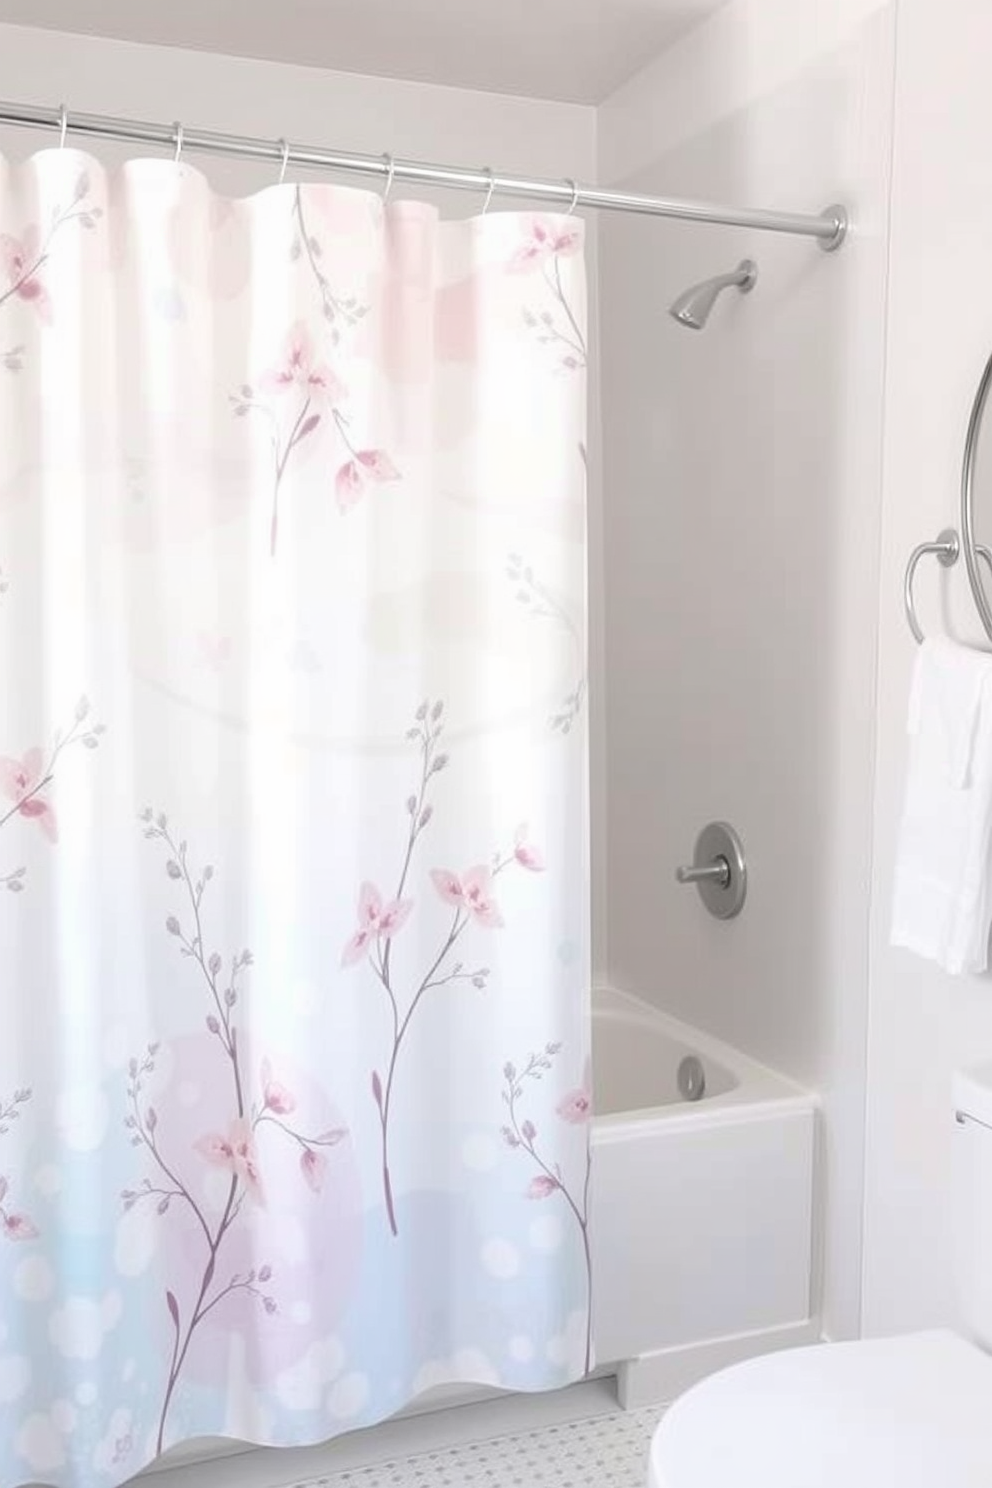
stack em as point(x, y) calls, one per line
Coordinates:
point(342, 111)
point(939, 335)
point(742, 482)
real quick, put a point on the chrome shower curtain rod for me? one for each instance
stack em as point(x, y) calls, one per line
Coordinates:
point(829, 228)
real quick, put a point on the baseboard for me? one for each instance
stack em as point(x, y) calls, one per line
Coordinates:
point(657, 1379)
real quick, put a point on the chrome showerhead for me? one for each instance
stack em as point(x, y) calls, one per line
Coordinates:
point(693, 306)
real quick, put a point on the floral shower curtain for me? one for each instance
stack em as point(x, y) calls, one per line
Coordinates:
point(294, 1080)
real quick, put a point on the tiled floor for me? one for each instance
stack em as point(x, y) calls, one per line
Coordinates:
point(606, 1451)
point(573, 1438)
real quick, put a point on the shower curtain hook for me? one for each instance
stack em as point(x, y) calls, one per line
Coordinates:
point(179, 142)
point(575, 195)
point(63, 125)
point(390, 164)
point(285, 160)
point(489, 194)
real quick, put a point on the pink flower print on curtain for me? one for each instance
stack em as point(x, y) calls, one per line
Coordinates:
point(471, 895)
point(300, 390)
point(546, 242)
point(26, 784)
point(526, 854)
point(301, 372)
point(296, 438)
point(473, 891)
point(575, 1109)
point(365, 468)
point(576, 1106)
point(23, 260)
point(236, 1153)
point(14, 1224)
point(377, 921)
point(545, 239)
point(279, 1101)
point(23, 781)
point(299, 396)
point(275, 1097)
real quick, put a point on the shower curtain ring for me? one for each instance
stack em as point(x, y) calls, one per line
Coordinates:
point(489, 194)
point(390, 164)
point(575, 195)
point(179, 142)
point(284, 149)
point(63, 125)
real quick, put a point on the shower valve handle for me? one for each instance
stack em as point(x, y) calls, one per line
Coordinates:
point(717, 872)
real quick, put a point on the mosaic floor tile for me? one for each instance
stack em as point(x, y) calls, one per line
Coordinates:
point(600, 1452)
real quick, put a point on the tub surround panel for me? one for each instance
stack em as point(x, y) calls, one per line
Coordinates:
point(741, 555)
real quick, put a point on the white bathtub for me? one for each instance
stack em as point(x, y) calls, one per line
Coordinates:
point(701, 1211)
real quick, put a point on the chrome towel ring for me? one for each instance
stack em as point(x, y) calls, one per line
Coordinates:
point(947, 550)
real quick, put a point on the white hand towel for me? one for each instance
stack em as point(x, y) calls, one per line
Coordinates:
point(942, 900)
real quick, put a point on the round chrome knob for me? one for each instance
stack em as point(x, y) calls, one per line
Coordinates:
point(718, 870)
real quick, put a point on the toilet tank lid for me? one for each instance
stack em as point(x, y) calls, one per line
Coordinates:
point(972, 1090)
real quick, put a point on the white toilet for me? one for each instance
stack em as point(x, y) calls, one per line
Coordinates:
point(907, 1412)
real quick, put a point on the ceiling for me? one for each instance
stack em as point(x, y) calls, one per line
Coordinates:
point(572, 50)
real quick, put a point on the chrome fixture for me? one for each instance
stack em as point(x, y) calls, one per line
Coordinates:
point(691, 1078)
point(829, 228)
point(947, 550)
point(718, 870)
point(693, 306)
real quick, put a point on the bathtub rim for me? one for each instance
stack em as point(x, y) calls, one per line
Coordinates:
point(760, 1092)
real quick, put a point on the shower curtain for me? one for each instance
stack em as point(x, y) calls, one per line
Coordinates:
point(294, 1078)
